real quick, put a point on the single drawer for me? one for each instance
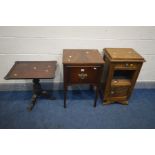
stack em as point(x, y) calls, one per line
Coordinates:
point(126, 65)
point(120, 82)
point(83, 74)
point(119, 91)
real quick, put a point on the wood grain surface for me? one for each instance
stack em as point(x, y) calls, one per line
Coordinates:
point(82, 56)
point(32, 70)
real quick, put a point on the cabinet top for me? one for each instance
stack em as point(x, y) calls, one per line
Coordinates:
point(127, 54)
point(82, 57)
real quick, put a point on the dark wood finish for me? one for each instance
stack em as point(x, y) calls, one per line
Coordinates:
point(82, 66)
point(37, 92)
point(34, 70)
point(82, 57)
point(122, 67)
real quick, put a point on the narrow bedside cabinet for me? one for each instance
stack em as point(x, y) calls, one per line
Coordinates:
point(122, 67)
point(82, 66)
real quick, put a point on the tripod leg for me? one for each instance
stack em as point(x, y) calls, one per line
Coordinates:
point(33, 102)
point(47, 95)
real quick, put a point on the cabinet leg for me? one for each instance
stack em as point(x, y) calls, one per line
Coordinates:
point(65, 96)
point(124, 102)
point(96, 96)
point(107, 102)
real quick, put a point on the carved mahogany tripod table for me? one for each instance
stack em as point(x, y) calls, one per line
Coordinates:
point(34, 70)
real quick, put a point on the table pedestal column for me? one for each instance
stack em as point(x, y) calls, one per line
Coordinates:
point(37, 92)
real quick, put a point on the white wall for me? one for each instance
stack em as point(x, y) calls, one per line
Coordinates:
point(47, 43)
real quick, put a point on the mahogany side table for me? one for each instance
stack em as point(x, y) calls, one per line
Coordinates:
point(34, 70)
point(82, 66)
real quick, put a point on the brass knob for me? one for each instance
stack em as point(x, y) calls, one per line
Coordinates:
point(126, 65)
point(82, 70)
point(131, 65)
point(112, 92)
point(115, 81)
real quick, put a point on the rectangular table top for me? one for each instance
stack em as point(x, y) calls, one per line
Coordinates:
point(82, 57)
point(32, 70)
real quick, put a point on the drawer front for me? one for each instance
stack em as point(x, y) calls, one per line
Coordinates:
point(119, 91)
point(120, 82)
point(83, 74)
point(126, 65)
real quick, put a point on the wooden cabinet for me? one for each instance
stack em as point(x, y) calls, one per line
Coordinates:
point(82, 66)
point(121, 70)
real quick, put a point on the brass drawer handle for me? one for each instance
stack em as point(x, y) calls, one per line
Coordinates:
point(126, 65)
point(82, 75)
point(129, 65)
point(115, 81)
point(82, 70)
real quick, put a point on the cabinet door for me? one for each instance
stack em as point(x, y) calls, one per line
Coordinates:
point(119, 91)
